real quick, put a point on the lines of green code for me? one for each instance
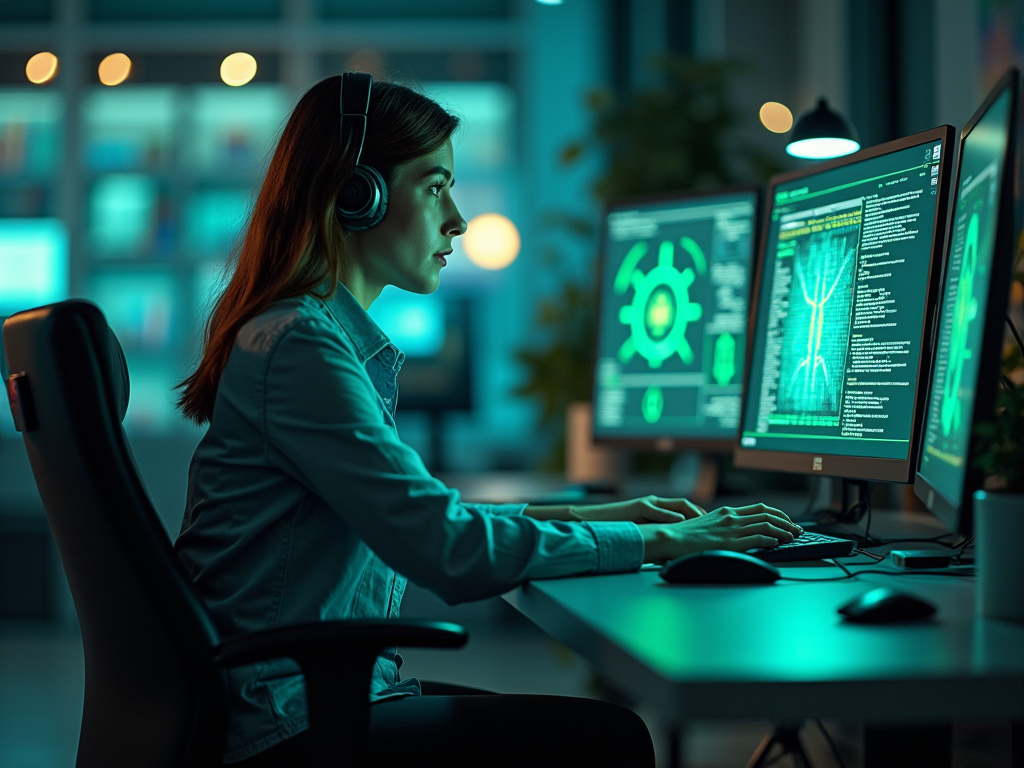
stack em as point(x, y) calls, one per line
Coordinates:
point(672, 330)
point(841, 308)
point(964, 300)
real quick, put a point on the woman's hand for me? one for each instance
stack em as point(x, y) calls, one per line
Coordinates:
point(733, 528)
point(648, 509)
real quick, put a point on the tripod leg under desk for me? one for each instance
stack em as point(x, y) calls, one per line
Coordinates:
point(903, 747)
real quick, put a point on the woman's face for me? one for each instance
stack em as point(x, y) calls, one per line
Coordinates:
point(410, 246)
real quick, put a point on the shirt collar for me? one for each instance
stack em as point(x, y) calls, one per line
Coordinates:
point(367, 337)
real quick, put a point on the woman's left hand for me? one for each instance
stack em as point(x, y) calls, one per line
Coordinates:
point(648, 509)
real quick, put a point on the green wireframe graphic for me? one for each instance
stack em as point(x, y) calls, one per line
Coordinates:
point(661, 308)
point(965, 311)
point(724, 366)
point(814, 345)
point(653, 404)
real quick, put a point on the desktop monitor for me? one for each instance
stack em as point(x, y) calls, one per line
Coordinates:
point(434, 333)
point(672, 319)
point(968, 348)
point(844, 299)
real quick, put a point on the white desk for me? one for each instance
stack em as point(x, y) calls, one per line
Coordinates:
point(781, 652)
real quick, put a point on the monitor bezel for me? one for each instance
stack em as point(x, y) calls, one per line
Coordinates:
point(958, 517)
point(832, 465)
point(718, 445)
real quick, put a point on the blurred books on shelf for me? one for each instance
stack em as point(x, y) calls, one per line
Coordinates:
point(30, 134)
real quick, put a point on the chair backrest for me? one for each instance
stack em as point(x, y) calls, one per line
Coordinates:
point(153, 696)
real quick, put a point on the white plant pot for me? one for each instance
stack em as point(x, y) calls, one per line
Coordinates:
point(999, 531)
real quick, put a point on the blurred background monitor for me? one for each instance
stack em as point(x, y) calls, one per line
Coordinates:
point(433, 331)
point(845, 293)
point(968, 349)
point(672, 319)
point(33, 263)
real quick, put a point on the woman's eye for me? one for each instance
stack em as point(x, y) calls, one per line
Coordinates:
point(435, 189)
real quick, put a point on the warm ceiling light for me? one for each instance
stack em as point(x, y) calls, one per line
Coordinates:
point(41, 68)
point(776, 117)
point(491, 241)
point(238, 69)
point(114, 69)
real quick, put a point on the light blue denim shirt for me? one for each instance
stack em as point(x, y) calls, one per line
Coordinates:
point(304, 505)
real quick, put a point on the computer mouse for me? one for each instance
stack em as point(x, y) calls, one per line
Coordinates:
point(887, 606)
point(719, 566)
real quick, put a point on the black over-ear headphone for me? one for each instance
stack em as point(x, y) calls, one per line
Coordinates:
point(363, 197)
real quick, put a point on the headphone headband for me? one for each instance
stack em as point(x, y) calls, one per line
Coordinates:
point(355, 103)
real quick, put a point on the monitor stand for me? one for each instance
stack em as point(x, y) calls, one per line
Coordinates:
point(694, 475)
point(852, 505)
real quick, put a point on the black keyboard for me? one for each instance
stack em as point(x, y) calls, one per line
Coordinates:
point(807, 546)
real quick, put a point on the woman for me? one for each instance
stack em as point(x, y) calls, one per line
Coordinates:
point(305, 505)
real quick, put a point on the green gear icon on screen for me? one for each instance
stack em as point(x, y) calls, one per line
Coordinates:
point(724, 366)
point(965, 310)
point(661, 308)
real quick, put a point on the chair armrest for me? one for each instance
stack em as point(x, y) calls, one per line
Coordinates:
point(337, 659)
point(333, 636)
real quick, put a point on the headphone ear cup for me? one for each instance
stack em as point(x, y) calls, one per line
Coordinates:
point(363, 199)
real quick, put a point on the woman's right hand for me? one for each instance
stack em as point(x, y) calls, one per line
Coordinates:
point(733, 528)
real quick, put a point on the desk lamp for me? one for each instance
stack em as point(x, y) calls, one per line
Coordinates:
point(821, 133)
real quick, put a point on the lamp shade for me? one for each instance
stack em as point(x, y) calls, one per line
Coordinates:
point(821, 133)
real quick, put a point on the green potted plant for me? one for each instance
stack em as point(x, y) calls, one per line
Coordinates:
point(999, 507)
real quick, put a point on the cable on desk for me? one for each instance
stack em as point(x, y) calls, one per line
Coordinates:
point(1013, 329)
point(828, 738)
point(848, 574)
point(866, 540)
point(968, 541)
point(873, 555)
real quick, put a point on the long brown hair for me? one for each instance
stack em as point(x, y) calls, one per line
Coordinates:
point(294, 244)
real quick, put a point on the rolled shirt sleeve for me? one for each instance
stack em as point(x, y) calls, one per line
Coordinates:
point(324, 425)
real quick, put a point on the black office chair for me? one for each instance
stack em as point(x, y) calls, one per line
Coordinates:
point(155, 685)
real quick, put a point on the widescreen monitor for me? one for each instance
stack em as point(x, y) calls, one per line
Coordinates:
point(968, 349)
point(672, 319)
point(844, 297)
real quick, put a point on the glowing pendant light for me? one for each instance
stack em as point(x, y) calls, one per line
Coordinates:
point(820, 134)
